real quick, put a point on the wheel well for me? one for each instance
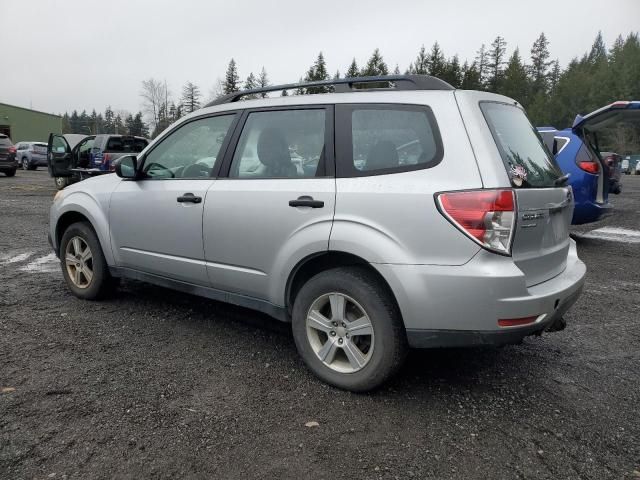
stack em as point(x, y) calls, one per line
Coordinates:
point(315, 264)
point(65, 220)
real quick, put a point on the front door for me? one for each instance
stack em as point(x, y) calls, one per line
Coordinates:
point(156, 221)
point(276, 204)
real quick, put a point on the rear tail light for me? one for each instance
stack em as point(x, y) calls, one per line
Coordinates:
point(12, 149)
point(485, 216)
point(589, 167)
point(105, 158)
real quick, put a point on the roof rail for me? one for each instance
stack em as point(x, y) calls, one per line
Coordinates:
point(400, 82)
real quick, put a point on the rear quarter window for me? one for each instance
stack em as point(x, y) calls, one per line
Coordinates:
point(376, 139)
point(527, 161)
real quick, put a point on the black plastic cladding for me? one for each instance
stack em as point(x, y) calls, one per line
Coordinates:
point(401, 82)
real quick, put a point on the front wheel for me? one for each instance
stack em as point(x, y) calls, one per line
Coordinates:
point(10, 173)
point(83, 264)
point(348, 329)
point(61, 182)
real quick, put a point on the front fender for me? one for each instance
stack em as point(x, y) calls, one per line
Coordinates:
point(86, 205)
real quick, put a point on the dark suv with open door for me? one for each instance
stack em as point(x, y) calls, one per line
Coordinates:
point(74, 157)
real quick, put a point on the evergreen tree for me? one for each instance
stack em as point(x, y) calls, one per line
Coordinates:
point(284, 93)
point(515, 83)
point(66, 124)
point(471, 79)
point(353, 71)
point(129, 125)
point(598, 51)
point(108, 120)
point(231, 79)
point(118, 126)
point(452, 72)
point(263, 81)
point(317, 72)
point(539, 65)
point(496, 61)
point(396, 71)
point(481, 65)
point(191, 97)
point(375, 66)
point(421, 64)
point(436, 63)
point(250, 83)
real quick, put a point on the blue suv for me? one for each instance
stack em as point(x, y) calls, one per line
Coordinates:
point(576, 152)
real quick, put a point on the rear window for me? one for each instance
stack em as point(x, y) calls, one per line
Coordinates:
point(527, 160)
point(126, 144)
point(5, 141)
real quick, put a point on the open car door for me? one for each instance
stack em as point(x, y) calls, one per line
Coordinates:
point(60, 153)
point(607, 117)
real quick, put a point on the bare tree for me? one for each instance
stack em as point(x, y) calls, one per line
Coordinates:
point(155, 99)
point(216, 91)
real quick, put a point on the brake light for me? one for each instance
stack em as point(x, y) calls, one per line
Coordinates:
point(485, 216)
point(12, 149)
point(589, 167)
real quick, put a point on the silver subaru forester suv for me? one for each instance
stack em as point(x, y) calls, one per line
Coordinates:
point(386, 213)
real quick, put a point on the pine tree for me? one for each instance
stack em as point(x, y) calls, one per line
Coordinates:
point(515, 83)
point(452, 72)
point(317, 72)
point(436, 63)
point(375, 66)
point(421, 64)
point(353, 71)
point(118, 126)
point(496, 62)
point(470, 77)
point(481, 65)
point(598, 51)
point(539, 65)
point(284, 93)
point(263, 81)
point(231, 80)
point(108, 120)
point(250, 83)
point(191, 97)
point(396, 71)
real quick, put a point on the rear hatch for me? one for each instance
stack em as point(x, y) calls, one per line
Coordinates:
point(5, 145)
point(544, 204)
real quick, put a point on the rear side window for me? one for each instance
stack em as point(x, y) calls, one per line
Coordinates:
point(382, 139)
point(525, 157)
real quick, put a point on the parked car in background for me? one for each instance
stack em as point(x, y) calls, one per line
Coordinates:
point(613, 162)
point(31, 155)
point(73, 157)
point(577, 152)
point(461, 238)
point(625, 167)
point(8, 164)
point(636, 170)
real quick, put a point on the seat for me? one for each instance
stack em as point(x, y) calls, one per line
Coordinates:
point(383, 154)
point(273, 153)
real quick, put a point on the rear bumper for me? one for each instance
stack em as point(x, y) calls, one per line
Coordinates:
point(589, 212)
point(444, 306)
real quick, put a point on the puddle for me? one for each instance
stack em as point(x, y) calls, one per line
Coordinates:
point(47, 264)
point(613, 234)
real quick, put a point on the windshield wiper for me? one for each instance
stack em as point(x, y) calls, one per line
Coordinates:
point(560, 181)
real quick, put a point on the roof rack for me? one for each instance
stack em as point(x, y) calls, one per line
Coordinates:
point(341, 85)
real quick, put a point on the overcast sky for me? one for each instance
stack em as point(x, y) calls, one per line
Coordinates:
point(82, 54)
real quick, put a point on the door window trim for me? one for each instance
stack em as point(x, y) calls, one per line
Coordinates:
point(236, 114)
point(344, 139)
point(328, 162)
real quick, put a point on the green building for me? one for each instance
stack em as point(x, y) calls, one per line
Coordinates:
point(22, 124)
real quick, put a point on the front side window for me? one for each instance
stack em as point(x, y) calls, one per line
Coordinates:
point(525, 157)
point(381, 139)
point(281, 144)
point(190, 151)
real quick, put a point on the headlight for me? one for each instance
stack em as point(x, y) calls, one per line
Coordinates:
point(58, 196)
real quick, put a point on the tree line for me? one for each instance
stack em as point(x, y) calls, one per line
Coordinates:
point(121, 122)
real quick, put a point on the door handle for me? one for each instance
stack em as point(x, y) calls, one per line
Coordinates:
point(306, 201)
point(189, 198)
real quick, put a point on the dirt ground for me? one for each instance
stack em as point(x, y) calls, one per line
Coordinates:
point(158, 384)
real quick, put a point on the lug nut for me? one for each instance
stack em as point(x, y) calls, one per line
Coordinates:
point(335, 324)
point(344, 325)
point(340, 341)
point(333, 334)
point(347, 335)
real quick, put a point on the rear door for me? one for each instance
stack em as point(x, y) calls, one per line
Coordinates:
point(544, 205)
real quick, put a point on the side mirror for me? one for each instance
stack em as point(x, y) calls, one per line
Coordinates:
point(127, 166)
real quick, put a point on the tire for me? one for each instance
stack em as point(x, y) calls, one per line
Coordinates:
point(10, 173)
point(25, 164)
point(61, 182)
point(75, 240)
point(382, 352)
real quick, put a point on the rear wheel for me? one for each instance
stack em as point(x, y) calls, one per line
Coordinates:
point(348, 330)
point(25, 164)
point(10, 173)
point(83, 265)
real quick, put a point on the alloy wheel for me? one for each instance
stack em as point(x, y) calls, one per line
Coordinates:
point(340, 332)
point(79, 262)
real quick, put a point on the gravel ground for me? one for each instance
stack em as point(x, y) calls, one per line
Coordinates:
point(154, 383)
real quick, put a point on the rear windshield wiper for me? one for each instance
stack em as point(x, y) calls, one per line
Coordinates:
point(560, 181)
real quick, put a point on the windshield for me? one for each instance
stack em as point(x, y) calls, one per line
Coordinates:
point(528, 162)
